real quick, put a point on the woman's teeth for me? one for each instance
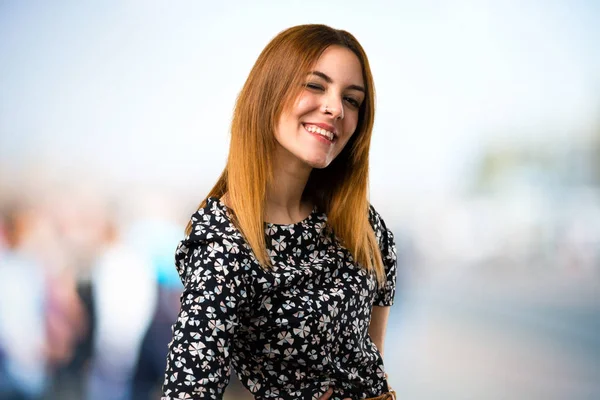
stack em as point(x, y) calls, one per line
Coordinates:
point(323, 132)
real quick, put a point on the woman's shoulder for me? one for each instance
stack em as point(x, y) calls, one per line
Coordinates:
point(211, 225)
point(383, 234)
point(376, 219)
point(212, 237)
point(213, 222)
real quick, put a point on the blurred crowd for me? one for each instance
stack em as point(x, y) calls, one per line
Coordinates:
point(88, 293)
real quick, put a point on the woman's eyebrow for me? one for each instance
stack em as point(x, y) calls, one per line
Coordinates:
point(329, 80)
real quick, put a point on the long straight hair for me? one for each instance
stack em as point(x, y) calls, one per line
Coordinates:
point(340, 190)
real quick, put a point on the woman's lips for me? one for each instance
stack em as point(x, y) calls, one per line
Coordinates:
point(320, 133)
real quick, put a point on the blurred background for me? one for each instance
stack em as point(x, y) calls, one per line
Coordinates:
point(485, 163)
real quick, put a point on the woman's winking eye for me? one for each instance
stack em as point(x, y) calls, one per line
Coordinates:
point(313, 86)
point(319, 88)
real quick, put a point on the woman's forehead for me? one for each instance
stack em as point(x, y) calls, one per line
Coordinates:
point(339, 64)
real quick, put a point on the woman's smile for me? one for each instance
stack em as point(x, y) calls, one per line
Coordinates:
point(321, 133)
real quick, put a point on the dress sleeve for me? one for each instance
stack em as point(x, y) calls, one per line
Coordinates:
point(214, 296)
point(385, 238)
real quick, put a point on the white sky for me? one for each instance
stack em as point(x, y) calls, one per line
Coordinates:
point(144, 91)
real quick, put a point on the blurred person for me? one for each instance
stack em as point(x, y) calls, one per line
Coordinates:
point(3, 238)
point(79, 216)
point(66, 319)
point(156, 235)
point(124, 294)
point(40, 330)
point(288, 271)
point(22, 310)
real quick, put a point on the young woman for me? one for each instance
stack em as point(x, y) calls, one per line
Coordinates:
point(289, 272)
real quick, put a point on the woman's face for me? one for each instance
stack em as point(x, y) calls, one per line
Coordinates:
point(324, 117)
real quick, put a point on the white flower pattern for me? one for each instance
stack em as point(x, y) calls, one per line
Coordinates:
point(289, 332)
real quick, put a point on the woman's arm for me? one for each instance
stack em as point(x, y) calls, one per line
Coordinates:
point(198, 362)
point(384, 297)
point(378, 325)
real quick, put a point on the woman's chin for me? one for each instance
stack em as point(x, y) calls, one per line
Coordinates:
point(317, 163)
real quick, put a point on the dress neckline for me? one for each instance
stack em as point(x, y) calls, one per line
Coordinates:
point(306, 220)
point(301, 222)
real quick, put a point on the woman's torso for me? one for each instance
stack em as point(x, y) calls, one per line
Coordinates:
point(305, 327)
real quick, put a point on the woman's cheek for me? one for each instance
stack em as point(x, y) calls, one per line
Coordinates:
point(350, 127)
point(305, 103)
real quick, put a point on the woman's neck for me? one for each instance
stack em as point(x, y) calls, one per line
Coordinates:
point(285, 203)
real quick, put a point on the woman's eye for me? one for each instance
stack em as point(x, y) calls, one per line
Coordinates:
point(314, 86)
point(352, 102)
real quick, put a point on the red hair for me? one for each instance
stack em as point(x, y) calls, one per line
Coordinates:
point(340, 189)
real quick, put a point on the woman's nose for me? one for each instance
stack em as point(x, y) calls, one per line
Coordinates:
point(334, 107)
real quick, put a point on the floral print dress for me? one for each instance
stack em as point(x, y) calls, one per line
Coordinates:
point(289, 332)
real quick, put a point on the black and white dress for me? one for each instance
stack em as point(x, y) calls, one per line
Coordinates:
point(290, 332)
